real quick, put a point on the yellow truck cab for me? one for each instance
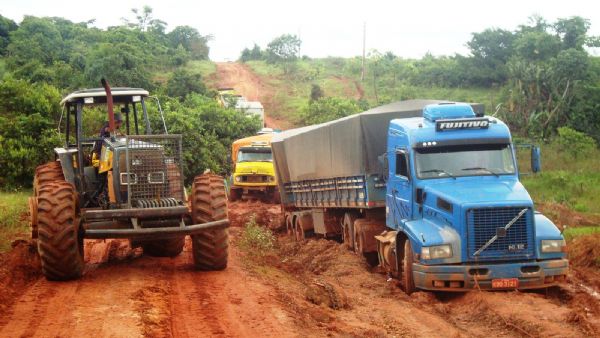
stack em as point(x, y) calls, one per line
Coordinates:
point(253, 171)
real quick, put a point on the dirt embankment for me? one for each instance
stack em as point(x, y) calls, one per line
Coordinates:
point(332, 291)
point(252, 87)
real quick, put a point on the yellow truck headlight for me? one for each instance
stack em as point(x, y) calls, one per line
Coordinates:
point(553, 245)
point(238, 178)
point(436, 251)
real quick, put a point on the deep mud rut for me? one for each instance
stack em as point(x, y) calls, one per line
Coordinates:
point(316, 288)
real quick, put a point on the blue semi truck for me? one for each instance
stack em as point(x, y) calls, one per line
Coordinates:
point(427, 189)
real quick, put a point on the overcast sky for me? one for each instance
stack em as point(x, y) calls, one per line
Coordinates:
point(327, 28)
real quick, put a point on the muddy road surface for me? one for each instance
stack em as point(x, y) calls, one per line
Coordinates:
point(315, 288)
point(123, 294)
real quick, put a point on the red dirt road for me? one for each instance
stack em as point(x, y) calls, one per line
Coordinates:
point(247, 83)
point(315, 288)
point(146, 296)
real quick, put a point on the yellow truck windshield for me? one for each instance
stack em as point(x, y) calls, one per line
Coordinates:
point(255, 155)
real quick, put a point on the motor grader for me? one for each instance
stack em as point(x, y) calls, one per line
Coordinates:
point(127, 185)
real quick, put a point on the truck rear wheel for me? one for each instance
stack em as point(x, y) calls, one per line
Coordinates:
point(170, 247)
point(407, 271)
point(60, 243)
point(209, 203)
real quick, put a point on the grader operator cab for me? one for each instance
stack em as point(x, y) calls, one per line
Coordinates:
point(127, 185)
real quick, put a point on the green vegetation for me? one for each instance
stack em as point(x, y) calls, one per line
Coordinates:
point(13, 212)
point(566, 180)
point(43, 59)
point(573, 232)
point(256, 240)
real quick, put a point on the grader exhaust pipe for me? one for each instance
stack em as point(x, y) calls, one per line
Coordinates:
point(109, 103)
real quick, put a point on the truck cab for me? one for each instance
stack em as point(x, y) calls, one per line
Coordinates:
point(454, 199)
point(253, 171)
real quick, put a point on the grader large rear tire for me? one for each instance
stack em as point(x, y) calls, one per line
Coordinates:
point(60, 243)
point(170, 247)
point(209, 203)
point(48, 172)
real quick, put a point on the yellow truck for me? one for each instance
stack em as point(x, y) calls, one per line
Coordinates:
point(253, 171)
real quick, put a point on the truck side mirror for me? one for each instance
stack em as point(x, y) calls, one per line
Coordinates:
point(536, 159)
point(384, 163)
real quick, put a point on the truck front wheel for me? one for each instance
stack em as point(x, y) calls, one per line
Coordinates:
point(407, 271)
point(209, 203)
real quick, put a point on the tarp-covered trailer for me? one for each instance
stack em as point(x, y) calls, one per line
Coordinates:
point(339, 163)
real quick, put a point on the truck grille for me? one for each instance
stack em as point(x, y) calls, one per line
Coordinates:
point(153, 169)
point(254, 178)
point(485, 223)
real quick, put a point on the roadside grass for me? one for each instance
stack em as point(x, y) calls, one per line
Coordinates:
point(338, 77)
point(573, 232)
point(566, 180)
point(13, 218)
point(202, 67)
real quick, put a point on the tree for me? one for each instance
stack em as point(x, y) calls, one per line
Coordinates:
point(546, 72)
point(144, 21)
point(6, 26)
point(189, 38)
point(121, 64)
point(315, 92)
point(183, 83)
point(283, 50)
point(252, 54)
point(491, 50)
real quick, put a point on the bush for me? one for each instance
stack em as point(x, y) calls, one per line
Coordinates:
point(576, 144)
point(257, 240)
point(329, 108)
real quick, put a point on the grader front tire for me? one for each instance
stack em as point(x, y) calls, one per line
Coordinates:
point(60, 243)
point(209, 203)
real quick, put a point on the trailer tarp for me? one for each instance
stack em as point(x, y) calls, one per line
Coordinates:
point(348, 146)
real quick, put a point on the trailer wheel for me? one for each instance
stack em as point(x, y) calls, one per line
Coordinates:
point(60, 243)
point(302, 232)
point(288, 224)
point(170, 247)
point(209, 203)
point(348, 230)
point(407, 271)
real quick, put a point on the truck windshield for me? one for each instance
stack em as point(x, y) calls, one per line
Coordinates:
point(255, 156)
point(464, 160)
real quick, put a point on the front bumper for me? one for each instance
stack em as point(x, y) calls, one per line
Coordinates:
point(531, 275)
point(165, 223)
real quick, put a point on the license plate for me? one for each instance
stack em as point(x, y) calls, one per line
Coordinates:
point(505, 283)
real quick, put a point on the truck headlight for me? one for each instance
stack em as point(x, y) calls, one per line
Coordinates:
point(238, 178)
point(436, 251)
point(553, 245)
point(271, 179)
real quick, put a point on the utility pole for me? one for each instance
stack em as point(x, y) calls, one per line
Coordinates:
point(362, 73)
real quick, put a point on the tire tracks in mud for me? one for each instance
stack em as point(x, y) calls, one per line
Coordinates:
point(148, 297)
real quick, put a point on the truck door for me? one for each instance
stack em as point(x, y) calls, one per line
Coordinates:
point(399, 192)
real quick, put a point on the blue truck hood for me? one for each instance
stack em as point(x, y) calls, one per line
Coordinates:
point(491, 190)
